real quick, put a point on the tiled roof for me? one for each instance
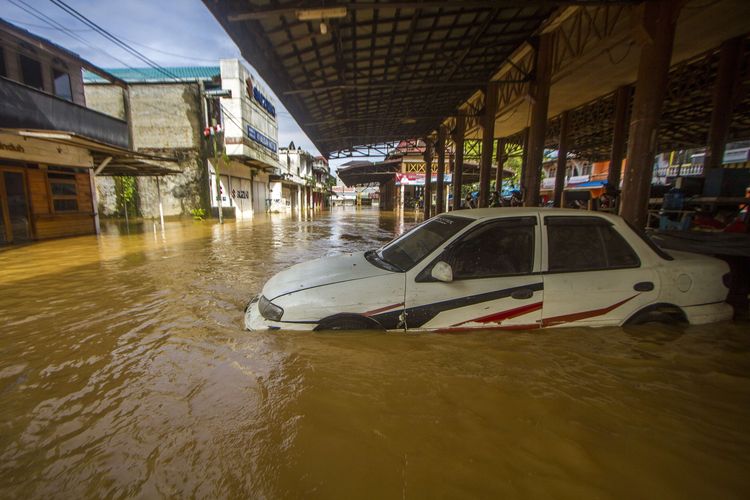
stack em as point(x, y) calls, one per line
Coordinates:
point(152, 75)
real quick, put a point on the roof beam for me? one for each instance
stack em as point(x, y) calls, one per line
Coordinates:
point(396, 85)
point(263, 13)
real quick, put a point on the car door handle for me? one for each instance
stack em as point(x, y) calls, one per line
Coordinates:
point(523, 293)
point(643, 286)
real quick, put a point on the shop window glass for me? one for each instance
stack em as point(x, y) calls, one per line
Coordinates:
point(502, 248)
point(586, 244)
point(64, 191)
point(62, 85)
point(31, 72)
point(63, 205)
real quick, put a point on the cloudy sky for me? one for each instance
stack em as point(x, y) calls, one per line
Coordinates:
point(170, 32)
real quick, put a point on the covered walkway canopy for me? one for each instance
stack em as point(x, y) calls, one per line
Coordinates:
point(365, 172)
point(108, 160)
point(379, 71)
point(607, 79)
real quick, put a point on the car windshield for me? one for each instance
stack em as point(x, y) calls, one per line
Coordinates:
point(411, 247)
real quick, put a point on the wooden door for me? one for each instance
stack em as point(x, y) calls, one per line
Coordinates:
point(14, 205)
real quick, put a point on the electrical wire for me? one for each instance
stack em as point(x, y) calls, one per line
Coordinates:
point(21, 4)
point(89, 30)
point(70, 10)
point(104, 33)
point(40, 26)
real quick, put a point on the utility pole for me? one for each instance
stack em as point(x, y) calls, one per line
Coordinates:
point(215, 131)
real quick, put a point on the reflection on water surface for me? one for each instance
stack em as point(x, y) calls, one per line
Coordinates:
point(124, 371)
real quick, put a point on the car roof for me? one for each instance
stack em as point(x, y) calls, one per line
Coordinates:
point(485, 213)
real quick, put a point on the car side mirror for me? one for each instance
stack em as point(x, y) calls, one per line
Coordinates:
point(442, 271)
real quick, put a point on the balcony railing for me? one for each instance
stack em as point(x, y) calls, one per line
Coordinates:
point(22, 106)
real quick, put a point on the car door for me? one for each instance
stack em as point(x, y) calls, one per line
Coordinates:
point(592, 274)
point(496, 283)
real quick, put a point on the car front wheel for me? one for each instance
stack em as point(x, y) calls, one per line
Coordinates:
point(348, 322)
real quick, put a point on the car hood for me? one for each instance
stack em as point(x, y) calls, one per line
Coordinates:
point(319, 272)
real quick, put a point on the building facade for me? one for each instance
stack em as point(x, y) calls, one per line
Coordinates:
point(218, 123)
point(303, 182)
point(250, 133)
point(51, 144)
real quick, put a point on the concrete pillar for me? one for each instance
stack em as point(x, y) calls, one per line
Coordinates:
point(488, 139)
point(439, 185)
point(161, 207)
point(458, 169)
point(562, 158)
point(539, 91)
point(619, 133)
point(500, 164)
point(427, 177)
point(657, 20)
point(724, 98)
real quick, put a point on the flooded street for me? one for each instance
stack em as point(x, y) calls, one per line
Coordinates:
point(125, 372)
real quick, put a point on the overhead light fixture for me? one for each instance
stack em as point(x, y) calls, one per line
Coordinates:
point(323, 28)
point(324, 13)
point(45, 135)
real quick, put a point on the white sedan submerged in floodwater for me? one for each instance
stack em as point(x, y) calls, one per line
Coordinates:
point(503, 268)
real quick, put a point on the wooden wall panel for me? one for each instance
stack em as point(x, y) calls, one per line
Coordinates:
point(40, 203)
point(83, 185)
point(64, 225)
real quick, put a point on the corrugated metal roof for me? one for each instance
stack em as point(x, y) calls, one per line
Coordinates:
point(152, 75)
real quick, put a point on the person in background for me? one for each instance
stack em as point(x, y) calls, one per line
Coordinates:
point(495, 200)
point(516, 199)
point(608, 200)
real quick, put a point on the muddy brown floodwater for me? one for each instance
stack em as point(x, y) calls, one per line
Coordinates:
point(125, 372)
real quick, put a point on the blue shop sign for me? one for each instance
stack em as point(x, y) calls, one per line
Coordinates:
point(264, 103)
point(261, 139)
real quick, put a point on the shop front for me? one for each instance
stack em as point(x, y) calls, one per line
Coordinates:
point(47, 179)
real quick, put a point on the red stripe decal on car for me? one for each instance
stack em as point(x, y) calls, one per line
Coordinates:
point(533, 326)
point(501, 316)
point(567, 318)
point(382, 309)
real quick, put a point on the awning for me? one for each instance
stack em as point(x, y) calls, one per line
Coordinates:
point(109, 160)
point(584, 186)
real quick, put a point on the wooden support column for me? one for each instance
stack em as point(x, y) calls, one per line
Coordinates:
point(562, 158)
point(724, 98)
point(451, 170)
point(427, 177)
point(488, 139)
point(500, 164)
point(439, 184)
point(539, 105)
point(524, 160)
point(619, 133)
point(657, 20)
point(458, 170)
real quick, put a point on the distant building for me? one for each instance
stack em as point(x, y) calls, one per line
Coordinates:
point(251, 139)
point(172, 112)
point(303, 182)
point(52, 146)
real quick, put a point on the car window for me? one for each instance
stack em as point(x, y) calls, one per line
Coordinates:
point(500, 248)
point(412, 247)
point(586, 244)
